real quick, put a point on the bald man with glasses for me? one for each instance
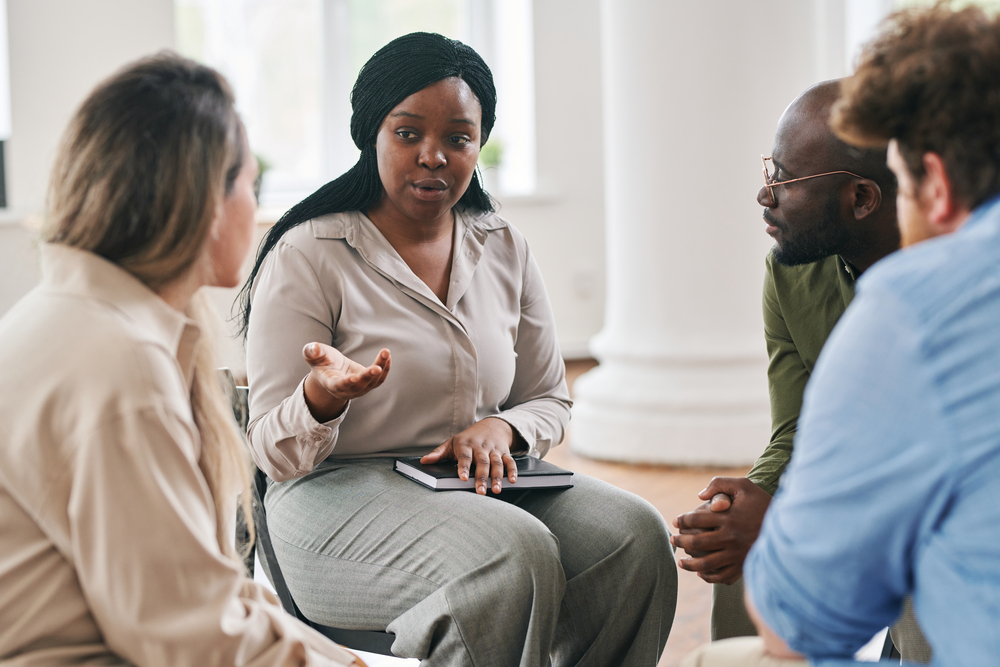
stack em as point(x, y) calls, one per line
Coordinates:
point(830, 209)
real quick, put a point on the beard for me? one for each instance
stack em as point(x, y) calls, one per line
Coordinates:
point(825, 236)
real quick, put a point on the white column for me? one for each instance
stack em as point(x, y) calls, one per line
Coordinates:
point(692, 93)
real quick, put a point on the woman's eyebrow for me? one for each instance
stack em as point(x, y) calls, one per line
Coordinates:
point(407, 114)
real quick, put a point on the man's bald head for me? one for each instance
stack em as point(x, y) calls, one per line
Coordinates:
point(813, 208)
point(808, 117)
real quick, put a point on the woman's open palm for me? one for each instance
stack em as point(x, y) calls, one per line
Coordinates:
point(334, 379)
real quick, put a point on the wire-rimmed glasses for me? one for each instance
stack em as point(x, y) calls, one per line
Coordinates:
point(770, 183)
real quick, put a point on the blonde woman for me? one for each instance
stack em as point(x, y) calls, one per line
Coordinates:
point(119, 459)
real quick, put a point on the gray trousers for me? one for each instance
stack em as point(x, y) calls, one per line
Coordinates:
point(582, 576)
point(729, 613)
point(730, 619)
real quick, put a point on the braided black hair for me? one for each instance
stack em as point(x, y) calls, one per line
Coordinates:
point(402, 67)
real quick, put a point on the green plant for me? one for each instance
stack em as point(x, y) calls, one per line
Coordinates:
point(491, 154)
point(262, 166)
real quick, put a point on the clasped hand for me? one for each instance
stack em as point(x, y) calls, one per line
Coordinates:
point(487, 444)
point(718, 534)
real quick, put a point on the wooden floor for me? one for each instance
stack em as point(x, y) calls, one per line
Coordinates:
point(672, 490)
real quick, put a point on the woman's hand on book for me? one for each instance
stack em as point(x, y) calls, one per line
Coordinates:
point(486, 444)
point(334, 379)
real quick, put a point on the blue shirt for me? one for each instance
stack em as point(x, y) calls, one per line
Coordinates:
point(893, 486)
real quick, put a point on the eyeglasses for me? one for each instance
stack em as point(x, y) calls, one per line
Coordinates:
point(770, 183)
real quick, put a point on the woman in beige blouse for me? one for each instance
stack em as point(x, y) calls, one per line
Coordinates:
point(119, 458)
point(402, 262)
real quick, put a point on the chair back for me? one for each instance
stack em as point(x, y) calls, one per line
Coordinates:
point(265, 552)
point(240, 400)
point(373, 641)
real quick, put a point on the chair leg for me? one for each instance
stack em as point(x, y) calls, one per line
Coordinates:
point(888, 648)
point(243, 544)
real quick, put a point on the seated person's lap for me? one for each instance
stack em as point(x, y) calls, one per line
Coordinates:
point(359, 544)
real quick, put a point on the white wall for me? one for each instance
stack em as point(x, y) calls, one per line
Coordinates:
point(18, 261)
point(59, 49)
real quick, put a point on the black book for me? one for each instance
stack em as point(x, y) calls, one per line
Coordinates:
point(532, 473)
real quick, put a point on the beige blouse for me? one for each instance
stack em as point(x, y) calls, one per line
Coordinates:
point(490, 350)
point(108, 553)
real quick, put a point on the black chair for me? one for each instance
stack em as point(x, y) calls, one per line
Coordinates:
point(372, 641)
point(889, 649)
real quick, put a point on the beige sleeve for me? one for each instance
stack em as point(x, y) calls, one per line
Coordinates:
point(289, 311)
point(287, 442)
point(142, 528)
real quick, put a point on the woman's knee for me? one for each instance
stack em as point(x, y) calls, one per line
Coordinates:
point(530, 555)
point(650, 529)
point(646, 553)
point(624, 521)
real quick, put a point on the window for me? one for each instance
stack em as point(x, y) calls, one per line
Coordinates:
point(992, 6)
point(292, 64)
point(843, 27)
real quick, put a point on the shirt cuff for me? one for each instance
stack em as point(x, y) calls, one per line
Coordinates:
point(767, 485)
point(316, 439)
point(307, 420)
point(522, 440)
point(785, 608)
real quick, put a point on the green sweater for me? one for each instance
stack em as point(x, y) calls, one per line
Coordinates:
point(801, 306)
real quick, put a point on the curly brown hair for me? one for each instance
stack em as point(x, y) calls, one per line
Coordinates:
point(931, 81)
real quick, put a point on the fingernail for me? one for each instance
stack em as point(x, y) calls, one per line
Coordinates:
point(312, 349)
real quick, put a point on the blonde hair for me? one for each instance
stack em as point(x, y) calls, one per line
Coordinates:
point(141, 171)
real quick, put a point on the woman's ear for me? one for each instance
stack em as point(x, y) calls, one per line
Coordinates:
point(867, 198)
point(218, 220)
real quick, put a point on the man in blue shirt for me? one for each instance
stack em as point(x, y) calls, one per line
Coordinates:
point(891, 490)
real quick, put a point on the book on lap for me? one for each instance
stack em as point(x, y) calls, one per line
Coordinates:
point(532, 473)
